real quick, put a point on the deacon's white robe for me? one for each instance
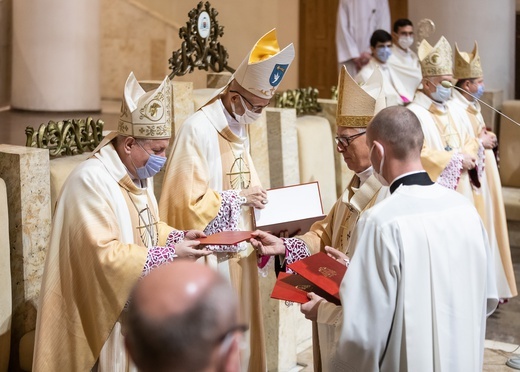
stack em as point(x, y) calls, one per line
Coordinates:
point(335, 231)
point(405, 66)
point(444, 142)
point(392, 87)
point(419, 286)
point(207, 159)
point(356, 21)
point(491, 189)
point(96, 254)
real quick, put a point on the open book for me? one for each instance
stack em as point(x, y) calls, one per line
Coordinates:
point(292, 208)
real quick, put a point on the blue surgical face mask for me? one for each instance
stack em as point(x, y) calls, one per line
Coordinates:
point(441, 94)
point(383, 53)
point(479, 92)
point(152, 167)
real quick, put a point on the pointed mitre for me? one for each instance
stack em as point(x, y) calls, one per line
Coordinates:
point(437, 60)
point(357, 105)
point(264, 67)
point(467, 65)
point(145, 114)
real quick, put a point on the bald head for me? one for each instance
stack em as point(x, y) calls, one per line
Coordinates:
point(399, 130)
point(177, 315)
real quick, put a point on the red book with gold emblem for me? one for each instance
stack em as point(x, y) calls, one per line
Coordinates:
point(318, 273)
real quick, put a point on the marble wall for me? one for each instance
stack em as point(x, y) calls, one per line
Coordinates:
point(26, 173)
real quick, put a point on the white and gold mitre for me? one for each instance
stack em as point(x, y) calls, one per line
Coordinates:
point(357, 105)
point(145, 114)
point(467, 65)
point(264, 67)
point(437, 60)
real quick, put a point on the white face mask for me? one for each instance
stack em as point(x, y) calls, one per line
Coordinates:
point(248, 117)
point(379, 174)
point(405, 42)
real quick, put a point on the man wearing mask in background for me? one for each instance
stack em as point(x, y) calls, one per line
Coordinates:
point(106, 233)
point(448, 152)
point(381, 47)
point(403, 61)
point(470, 78)
point(211, 182)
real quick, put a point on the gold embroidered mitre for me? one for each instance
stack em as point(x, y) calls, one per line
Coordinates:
point(357, 105)
point(145, 114)
point(435, 61)
point(264, 67)
point(467, 65)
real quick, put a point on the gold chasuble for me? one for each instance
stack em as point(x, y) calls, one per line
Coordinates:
point(208, 167)
point(97, 252)
point(494, 214)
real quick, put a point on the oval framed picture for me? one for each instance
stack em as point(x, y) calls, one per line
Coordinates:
point(204, 24)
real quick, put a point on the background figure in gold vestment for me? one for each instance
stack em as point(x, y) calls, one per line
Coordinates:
point(470, 78)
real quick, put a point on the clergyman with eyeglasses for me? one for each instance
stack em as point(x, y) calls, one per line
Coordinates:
point(211, 183)
point(356, 108)
point(184, 317)
point(106, 234)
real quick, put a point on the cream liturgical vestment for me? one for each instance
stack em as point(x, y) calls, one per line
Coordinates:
point(393, 90)
point(97, 252)
point(335, 231)
point(208, 158)
point(444, 142)
point(419, 286)
point(494, 217)
point(405, 66)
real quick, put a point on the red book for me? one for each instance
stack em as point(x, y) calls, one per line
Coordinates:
point(318, 273)
point(226, 238)
point(322, 271)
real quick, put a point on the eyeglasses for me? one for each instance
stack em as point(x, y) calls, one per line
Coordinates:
point(226, 339)
point(346, 141)
point(254, 108)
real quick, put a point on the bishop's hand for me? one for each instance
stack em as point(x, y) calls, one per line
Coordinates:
point(194, 235)
point(337, 255)
point(190, 249)
point(267, 244)
point(255, 197)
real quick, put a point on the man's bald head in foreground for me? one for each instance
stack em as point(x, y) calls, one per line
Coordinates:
point(183, 317)
point(395, 138)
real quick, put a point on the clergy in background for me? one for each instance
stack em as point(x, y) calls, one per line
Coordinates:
point(381, 47)
point(355, 23)
point(211, 183)
point(403, 61)
point(425, 265)
point(332, 235)
point(470, 79)
point(106, 234)
point(449, 151)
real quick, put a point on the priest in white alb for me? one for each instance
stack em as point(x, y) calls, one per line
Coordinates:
point(106, 234)
point(420, 283)
point(403, 61)
point(356, 107)
point(211, 183)
point(470, 80)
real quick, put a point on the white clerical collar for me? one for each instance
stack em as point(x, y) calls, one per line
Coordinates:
point(234, 125)
point(363, 176)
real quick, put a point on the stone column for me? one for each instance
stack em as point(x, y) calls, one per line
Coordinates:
point(463, 22)
point(282, 147)
point(26, 174)
point(55, 55)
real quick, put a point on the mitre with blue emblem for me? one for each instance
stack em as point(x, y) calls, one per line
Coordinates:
point(264, 67)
